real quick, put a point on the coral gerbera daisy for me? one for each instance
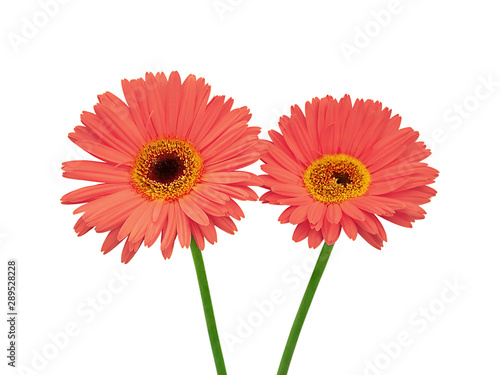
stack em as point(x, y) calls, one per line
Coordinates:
point(340, 166)
point(169, 162)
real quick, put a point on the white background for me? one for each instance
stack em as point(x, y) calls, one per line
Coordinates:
point(427, 60)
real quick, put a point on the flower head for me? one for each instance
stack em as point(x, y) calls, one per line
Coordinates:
point(341, 166)
point(169, 161)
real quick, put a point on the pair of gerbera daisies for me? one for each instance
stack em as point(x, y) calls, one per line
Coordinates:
point(170, 165)
point(171, 159)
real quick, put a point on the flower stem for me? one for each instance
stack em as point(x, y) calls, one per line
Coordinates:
point(304, 308)
point(208, 308)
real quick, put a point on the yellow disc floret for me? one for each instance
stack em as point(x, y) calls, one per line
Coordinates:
point(166, 169)
point(336, 178)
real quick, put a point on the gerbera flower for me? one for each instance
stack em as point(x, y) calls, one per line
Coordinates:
point(169, 164)
point(340, 166)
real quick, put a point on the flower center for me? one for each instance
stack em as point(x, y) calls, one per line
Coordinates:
point(336, 178)
point(166, 169)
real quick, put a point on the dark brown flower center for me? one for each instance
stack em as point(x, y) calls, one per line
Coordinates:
point(166, 168)
point(342, 178)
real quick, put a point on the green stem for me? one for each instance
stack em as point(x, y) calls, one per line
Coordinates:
point(304, 308)
point(208, 308)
